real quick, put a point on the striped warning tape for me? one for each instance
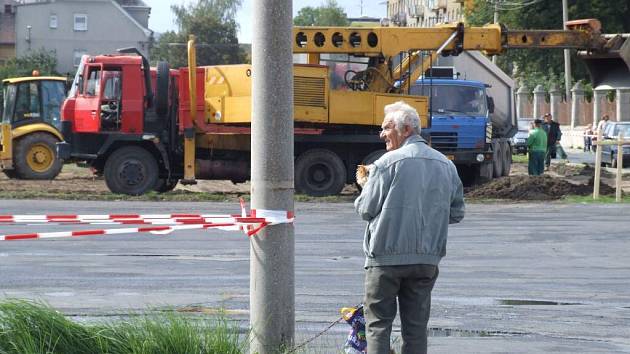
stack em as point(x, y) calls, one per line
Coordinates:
point(151, 229)
point(165, 223)
point(127, 219)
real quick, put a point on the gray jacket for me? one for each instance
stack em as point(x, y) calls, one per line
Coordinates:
point(411, 196)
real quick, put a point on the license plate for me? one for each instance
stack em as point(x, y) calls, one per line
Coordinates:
point(450, 157)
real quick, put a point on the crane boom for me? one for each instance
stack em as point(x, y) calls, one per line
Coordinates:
point(385, 44)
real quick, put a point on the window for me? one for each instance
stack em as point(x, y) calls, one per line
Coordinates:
point(9, 103)
point(53, 94)
point(80, 22)
point(93, 82)
point(78, 53)
point(27, 105)
point(53, 21)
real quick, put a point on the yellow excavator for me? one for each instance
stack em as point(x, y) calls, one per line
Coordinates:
point(30, 126)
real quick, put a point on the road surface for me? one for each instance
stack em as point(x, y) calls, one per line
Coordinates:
point(517, 278)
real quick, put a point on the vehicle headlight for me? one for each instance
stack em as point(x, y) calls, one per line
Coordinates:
point(480, 157)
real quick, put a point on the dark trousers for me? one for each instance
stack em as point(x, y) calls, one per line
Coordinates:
point(588, 143)
point(412, 284)
point(551, 153)
point(536, 163)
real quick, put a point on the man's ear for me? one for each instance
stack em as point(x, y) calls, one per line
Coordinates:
point(408, 131)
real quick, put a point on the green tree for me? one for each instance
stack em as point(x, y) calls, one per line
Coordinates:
point(546, 66)
point(41, 60)
point(328, 14)
point(213, 24)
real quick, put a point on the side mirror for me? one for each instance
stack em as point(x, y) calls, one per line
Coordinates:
point(490, 104)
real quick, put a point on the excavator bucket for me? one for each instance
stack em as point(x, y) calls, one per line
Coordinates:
point(611, 67)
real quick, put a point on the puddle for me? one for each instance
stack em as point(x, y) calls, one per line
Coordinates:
point(513, 302)
point(454, 332)
point(141, 255)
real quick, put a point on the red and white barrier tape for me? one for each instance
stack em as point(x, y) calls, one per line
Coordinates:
point(250, 224)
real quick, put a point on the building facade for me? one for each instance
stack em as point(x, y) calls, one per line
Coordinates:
point(425, 13)
point(7, 30)
point(72, 28)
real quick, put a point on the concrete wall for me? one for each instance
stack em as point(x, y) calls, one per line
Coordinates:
point(109, 27)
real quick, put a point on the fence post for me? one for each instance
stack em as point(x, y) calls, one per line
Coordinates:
point(521, 101)
point(623, 104)
point(598, 97)
point(598, 165)
point(577, 110)
point(539, 100)
point(619, 167)
point(555, 97)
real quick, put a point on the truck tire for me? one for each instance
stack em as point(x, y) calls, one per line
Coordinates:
point(161, 89)
point(319, 172)
point(368, 160)
point(163, 185)
point(35, 157)
point(507, 159)
point(131, 170)
point(497, 160)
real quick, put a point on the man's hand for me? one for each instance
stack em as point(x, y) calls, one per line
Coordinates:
point(363, 172)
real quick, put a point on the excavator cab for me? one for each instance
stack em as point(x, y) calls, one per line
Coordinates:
point(31, 120)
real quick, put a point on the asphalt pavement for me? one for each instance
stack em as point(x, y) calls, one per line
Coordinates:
point(518, 278)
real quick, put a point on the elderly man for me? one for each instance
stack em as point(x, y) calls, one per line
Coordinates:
point(411, 196)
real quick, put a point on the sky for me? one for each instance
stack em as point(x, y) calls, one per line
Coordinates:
point(162, 19)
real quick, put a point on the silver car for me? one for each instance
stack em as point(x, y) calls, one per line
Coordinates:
point(519, 140)
point(609, 152)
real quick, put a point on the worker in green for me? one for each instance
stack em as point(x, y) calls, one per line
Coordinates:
point(537, 146)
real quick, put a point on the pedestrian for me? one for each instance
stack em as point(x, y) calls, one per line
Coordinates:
point(553, 139)
point(602, 123)
point(411, 195)
point(537, 149)
point(588, 138)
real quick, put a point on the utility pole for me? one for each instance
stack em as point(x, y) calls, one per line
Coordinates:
point(272, 250)
point(495, 21)
point(567, 54)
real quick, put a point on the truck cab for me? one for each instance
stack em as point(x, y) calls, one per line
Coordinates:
point(462, 125)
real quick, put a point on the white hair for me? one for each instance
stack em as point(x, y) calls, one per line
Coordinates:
point(403, 114)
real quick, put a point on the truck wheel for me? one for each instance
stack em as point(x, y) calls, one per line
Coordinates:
point(35, 157)
point(497, 160)
point(368, 160)
point(507, 159)
point(131, 170)
point(161, 89)
point(163, 185)
point(319, 172)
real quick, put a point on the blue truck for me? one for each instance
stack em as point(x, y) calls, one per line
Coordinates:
point(466, 126)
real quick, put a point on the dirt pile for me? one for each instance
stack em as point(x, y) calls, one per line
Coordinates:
point(533, 188)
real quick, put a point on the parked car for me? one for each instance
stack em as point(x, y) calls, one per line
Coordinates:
point(519, 140)
point(609, 152)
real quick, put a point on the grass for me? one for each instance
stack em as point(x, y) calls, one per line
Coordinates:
point(174, 196)
point(588, 199)
point(519, 158)
point(28, 327)
point(151, 196)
